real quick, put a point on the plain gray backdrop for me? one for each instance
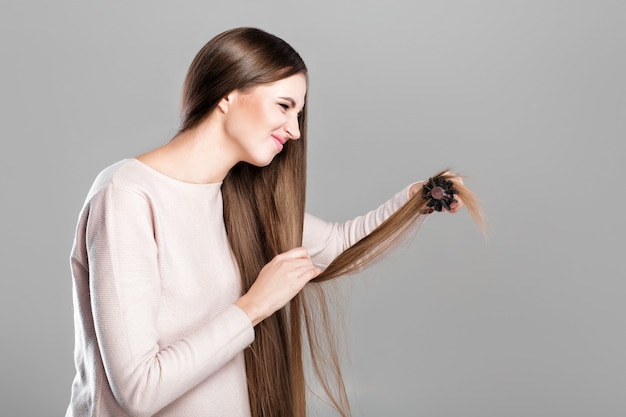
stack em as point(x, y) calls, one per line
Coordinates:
point(527, 98)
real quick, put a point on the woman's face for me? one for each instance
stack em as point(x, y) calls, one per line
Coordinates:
point(259, 121)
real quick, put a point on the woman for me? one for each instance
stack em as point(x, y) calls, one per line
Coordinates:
point(185, 256)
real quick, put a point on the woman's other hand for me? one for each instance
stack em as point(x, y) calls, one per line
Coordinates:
point(454, 207)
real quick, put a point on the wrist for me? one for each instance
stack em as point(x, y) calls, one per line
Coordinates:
point(250, 309)
point(416, 188)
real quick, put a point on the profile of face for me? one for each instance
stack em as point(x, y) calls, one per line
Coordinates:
point(260, 120)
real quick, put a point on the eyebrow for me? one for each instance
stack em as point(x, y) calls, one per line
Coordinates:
point(290, 100)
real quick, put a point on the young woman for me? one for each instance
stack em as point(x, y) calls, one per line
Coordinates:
point(189, 260)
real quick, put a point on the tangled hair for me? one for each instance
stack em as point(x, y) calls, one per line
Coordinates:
point(394, 228)
point(264, 216)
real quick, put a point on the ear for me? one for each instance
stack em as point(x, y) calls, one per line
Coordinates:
point(226, 102)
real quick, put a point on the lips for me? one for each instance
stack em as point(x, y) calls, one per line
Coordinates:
point(280, 142)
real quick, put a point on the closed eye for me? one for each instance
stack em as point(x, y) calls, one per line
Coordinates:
point(290, 104)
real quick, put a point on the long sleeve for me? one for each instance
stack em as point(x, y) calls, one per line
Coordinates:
point(326, 240)
point(126, 291)
point(157, 329)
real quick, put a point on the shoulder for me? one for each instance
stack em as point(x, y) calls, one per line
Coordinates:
point(119, 187)
point(107, 176)
point(127, 175)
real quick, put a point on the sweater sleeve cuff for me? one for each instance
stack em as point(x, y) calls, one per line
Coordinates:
point(227, 334)
point(240, 320)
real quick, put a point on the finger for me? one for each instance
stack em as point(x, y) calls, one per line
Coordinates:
point(295, 253)
point(456, 206)
point(307, 272)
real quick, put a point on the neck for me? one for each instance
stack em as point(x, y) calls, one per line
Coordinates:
point(199, 155)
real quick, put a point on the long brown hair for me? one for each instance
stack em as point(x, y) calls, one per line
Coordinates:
point(264, 216)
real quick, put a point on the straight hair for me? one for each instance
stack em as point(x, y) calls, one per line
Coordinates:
point(264, 216)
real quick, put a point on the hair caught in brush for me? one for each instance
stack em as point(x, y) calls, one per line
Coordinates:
point(322, 348)
point(395, 227)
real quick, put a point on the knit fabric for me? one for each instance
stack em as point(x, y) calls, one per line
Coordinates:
point(154, 285)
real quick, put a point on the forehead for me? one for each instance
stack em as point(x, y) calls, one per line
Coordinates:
point(293, 87)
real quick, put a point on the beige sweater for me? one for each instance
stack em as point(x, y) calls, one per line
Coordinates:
point(156, 330)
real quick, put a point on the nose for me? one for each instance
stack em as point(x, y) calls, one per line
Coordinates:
point(292, 128)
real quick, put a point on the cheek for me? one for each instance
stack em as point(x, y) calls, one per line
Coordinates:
point(268, 116)
point(241, 122)
point(255, 118)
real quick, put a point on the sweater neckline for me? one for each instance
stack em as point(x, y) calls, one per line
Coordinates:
point(175, 181)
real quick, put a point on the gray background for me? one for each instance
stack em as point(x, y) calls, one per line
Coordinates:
point(528, 98)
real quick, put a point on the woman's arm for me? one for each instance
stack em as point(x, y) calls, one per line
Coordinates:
point(326, 240)
point(121, 284)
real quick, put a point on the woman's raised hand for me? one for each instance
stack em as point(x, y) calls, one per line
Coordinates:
point(278, 282)
point(454, 207)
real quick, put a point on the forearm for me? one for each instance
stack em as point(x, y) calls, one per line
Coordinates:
point(326, 240)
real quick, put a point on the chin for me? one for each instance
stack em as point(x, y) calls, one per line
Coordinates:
point(262, 162)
